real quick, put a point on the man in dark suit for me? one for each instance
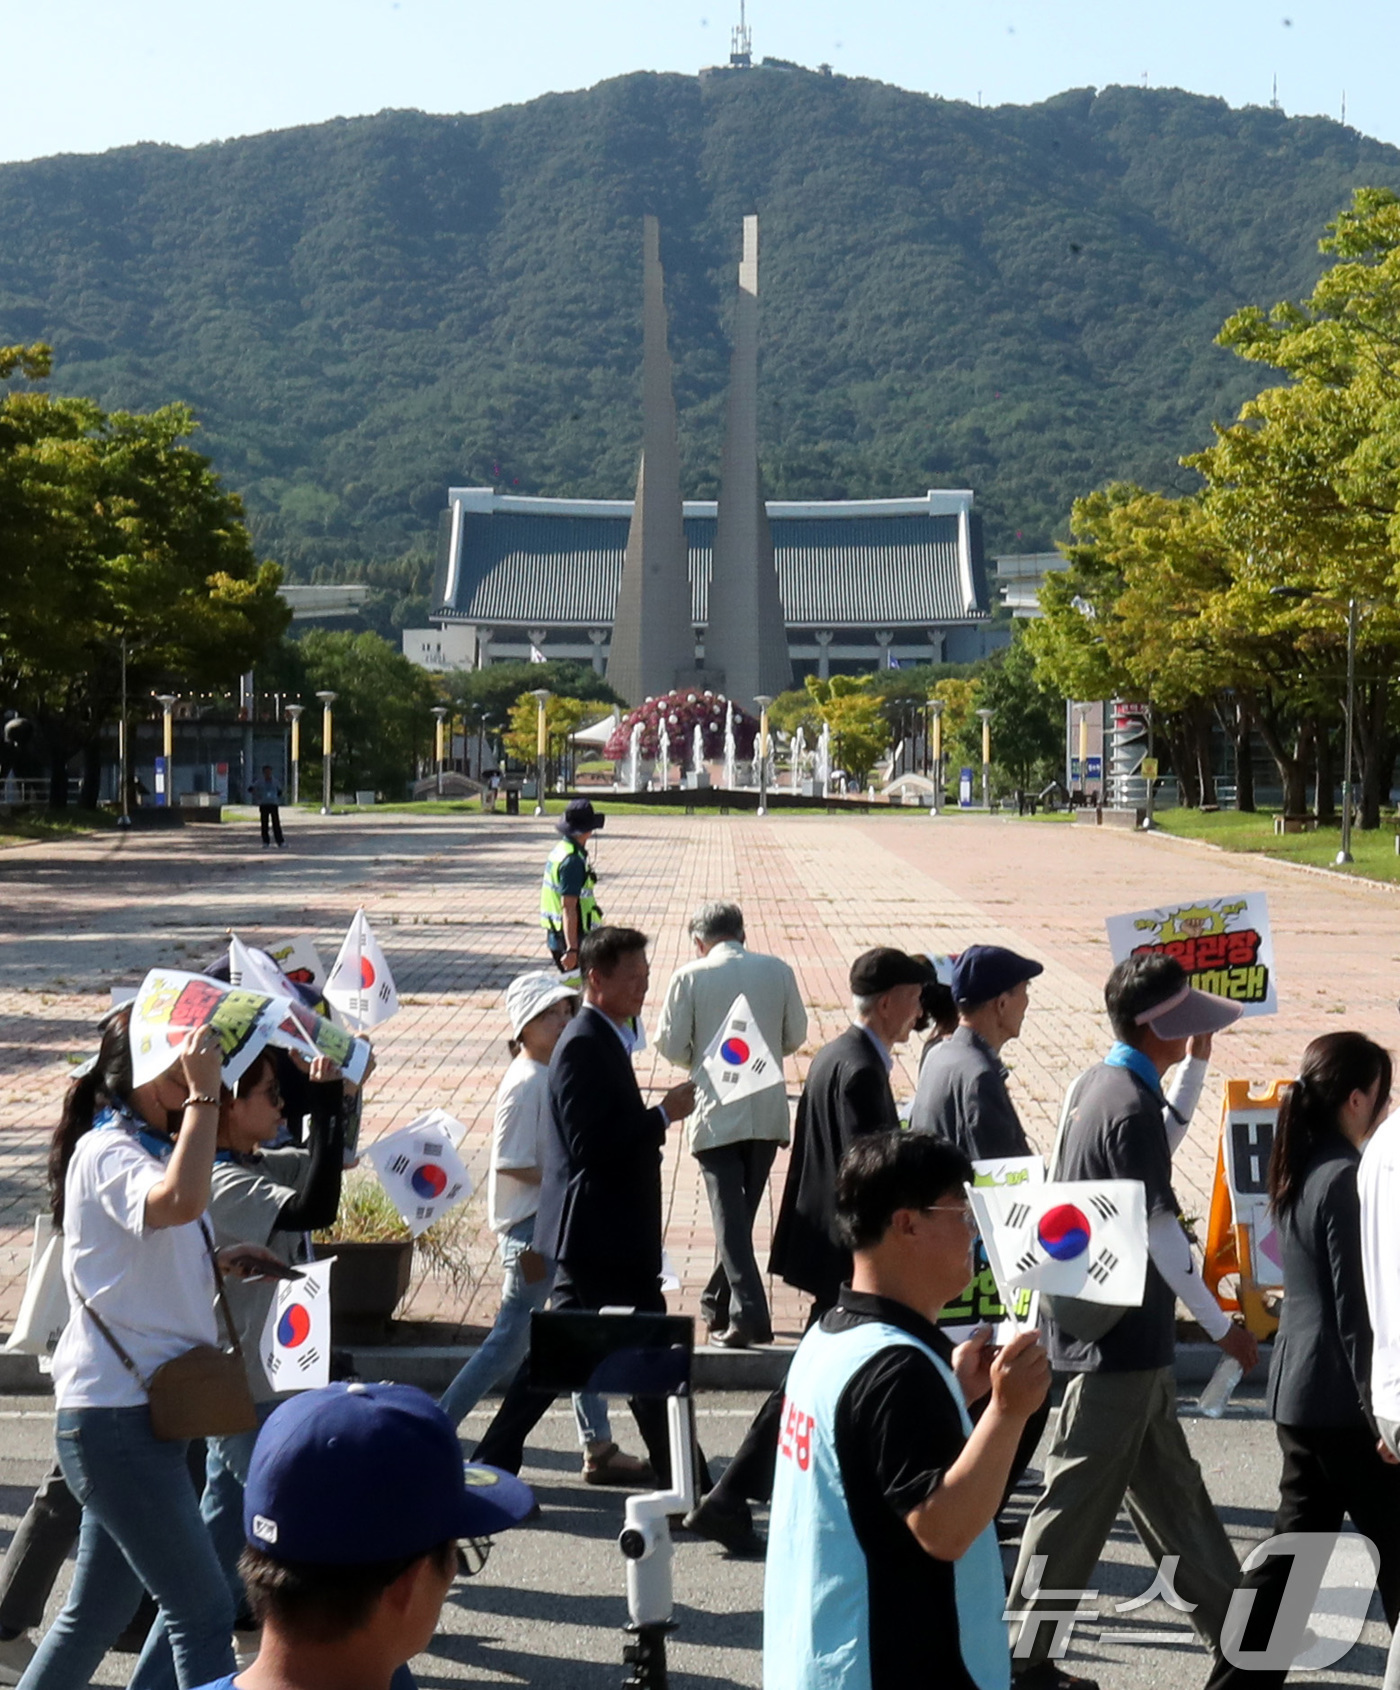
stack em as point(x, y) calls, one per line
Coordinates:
point(599, 1218)
point(847, 1094)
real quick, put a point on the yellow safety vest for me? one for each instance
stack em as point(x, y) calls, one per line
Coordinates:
point(552, 899)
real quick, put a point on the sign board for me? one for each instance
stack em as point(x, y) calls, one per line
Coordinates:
point(1149, 768)
point(162, 776)
point(965, 788)
point(1224, 944)
point(1095, 768)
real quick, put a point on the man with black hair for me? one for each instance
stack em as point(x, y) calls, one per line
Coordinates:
point(883, 1546)
point(599, 1214)
point(355, 1504)
point(1117, 1436)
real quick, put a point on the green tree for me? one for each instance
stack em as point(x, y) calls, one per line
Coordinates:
point(859, 734)
point(488, 695)
point(562, 717)
point(381, 719)
point(1028, 727)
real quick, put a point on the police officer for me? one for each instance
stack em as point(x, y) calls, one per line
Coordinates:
point(568, 907)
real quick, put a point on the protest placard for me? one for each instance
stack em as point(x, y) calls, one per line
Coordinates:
point(1224, 944)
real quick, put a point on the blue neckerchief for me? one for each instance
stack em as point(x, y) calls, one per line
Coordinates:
point(1125, 1056)
point(113, 1115)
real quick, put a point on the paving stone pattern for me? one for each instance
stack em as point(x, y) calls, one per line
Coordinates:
point(454, 904)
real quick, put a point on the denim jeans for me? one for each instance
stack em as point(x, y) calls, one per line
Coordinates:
point(507, 1343)
point(141, 1528)
point(221, 1508)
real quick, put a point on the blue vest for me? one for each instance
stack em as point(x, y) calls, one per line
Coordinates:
point(816, 1611)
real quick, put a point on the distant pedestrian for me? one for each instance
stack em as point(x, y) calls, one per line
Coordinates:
point(267, 795)
point(492, 790)
point(568, 905)
point(356, 1510)
point(734, 1143)
point(962, 1093)
point(938, 1013)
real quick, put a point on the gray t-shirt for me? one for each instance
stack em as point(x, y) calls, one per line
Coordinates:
point(962, 1097)
point(245, 1200)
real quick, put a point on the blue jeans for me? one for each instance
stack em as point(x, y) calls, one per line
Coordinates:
point(505, 1346)
point(221, 1508)
point(141, 1529)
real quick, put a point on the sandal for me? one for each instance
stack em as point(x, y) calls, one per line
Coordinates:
point(610, 1466)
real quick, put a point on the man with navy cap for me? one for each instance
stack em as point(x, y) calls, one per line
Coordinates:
point(356, 1501)
point(962, 1093)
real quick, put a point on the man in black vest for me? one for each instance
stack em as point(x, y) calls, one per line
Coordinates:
point(599, 1217)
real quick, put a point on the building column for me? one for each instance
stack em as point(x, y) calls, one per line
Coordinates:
point(884, 641)
point(599, 637)
point(483, 648)
point(824, 639)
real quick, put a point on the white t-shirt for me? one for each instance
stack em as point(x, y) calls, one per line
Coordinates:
point(1378, 1187)
point(517, 1138)
point(154, 1288)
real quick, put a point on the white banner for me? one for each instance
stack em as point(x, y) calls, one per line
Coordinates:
point(1074, 1238)
point(738, 1060)
point(1224, 944)
point(296, 1341)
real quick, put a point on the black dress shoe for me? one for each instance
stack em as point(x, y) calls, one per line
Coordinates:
point(727, 1523)
point(733, 1338)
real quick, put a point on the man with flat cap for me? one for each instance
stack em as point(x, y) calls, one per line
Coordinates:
point(1117, 1437)
point(847, 1094)
point(568, 903)
point(962, 1093)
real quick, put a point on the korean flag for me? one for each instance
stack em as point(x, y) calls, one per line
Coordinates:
point(360, 985)
point(738, 1060)
point(296, 1341)
point(420, 1169)
point(1085, 1239)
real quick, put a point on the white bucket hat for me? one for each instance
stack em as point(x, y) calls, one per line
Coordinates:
point(529, 995)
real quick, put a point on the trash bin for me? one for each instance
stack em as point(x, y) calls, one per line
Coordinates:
point(512, 800)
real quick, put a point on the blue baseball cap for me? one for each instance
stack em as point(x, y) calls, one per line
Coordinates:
point(984, 972)
point(358, 1473)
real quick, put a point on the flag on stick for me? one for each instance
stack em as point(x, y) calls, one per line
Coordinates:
point(420, 1169)
point(1085, 1239)
point(360, 984)
point(296, 1340)
point(738, 1060)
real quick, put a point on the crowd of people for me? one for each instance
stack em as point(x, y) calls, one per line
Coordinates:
point(273, 1540)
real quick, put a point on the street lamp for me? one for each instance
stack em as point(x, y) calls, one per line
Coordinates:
point(439, 717)
point(327, 699)
point(1149, 769)
point(762, 700)
point(1353, 606)
point(937, 706)
point(1082, 712)
point(124, 819)
point(164, 788)
point(541, 696)
point(986, 716)
point(294, 712)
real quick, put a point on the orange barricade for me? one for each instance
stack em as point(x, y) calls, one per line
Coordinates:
point(1240, 1238)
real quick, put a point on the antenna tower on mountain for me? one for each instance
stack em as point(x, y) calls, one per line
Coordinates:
point(741, 41)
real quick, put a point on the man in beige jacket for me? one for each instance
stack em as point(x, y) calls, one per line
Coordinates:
point(734, 1142)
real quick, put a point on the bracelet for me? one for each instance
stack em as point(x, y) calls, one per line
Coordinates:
point(196, 1098)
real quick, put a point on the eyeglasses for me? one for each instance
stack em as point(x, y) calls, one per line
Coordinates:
point(962, 1213)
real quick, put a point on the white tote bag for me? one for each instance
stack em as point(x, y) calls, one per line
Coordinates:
point(43, 1310)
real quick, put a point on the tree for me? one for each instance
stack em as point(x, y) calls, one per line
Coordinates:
point(1028, 726)
point(562, 717)
point(489, 695)
point(859, 734)
point(381, 717)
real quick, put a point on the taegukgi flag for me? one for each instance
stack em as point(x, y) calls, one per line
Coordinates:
point(738, 1060)
point(1085, 1239)
point(296, 1340)
point(360, 984)
point(420, 1169)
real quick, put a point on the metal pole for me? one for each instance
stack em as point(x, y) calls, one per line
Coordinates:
point(986, 716)
point(1147, 821)
point(327, 750)
point(541, 696)
point(294, 712)
point(937, 706)
point(762, 700)
point(1344, 855)
point(439, 715)
point(124, 820)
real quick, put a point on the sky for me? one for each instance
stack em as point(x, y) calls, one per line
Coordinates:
point(87, 75)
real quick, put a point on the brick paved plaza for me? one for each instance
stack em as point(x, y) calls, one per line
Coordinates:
point(454, 901)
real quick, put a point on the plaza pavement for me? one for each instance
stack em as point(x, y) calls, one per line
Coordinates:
point(454, 900)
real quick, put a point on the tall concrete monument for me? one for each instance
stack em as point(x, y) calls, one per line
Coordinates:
point(746, 637)
point(653, 639)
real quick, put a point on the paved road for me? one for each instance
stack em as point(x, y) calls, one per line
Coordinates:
point(547, 1610)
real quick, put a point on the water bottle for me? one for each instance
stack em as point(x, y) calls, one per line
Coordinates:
point(1216, 1396)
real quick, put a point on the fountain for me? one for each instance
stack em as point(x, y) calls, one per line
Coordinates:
point(823, 768)
point(731, 757)
point(799, 751)
point(664, 757)
point(634, 759)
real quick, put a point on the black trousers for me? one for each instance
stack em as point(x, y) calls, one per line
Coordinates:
point(503, 1443)
point(749, 1476)
point(1329, 1473)
point(269, 816)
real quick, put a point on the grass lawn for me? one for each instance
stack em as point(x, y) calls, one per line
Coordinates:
point(1374, 851)
point(25, 826)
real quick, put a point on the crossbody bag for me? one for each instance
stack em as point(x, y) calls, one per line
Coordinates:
point(203, 1393)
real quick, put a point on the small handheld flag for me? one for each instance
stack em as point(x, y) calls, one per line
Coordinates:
point(420, 1169)
point(360, 984)
point(738, 1060)
point(296, 1341)
point(1085, 1239)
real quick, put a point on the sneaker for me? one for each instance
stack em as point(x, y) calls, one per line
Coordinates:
point(15, 1655)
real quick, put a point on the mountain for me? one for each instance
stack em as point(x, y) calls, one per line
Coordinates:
point(1019, 300)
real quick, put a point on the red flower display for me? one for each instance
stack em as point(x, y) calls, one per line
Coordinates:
point(682, 711)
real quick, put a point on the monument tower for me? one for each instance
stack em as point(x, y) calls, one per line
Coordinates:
point(745, 636)
point(653, 638)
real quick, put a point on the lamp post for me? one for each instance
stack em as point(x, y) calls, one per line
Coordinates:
point(1353, 608)
point(541, 696)
point(166, 700)
point(327, 699)
point(986, 716)
point(294, 717)
point(1150, 770)
point(124, 819)
point(937, 706)
point(439, 717)
point(1082, 713)
point(762, 700)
